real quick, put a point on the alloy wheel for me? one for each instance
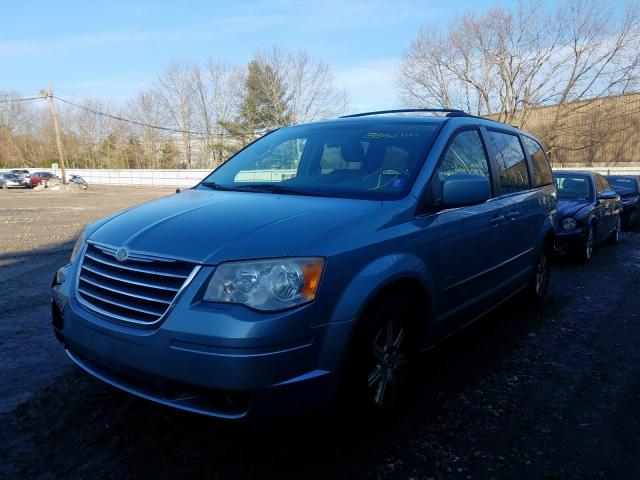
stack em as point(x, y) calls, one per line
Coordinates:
point(589, 244)
point(390, 364)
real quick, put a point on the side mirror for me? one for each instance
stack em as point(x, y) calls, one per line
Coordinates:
point(465, 189)
point(607, 194)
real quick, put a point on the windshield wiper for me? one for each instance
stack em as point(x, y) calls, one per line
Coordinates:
point(275, 188)
point(215, 186)
point(264, 188)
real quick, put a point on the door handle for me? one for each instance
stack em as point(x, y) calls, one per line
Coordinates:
point(497, 220)
point(512, 215)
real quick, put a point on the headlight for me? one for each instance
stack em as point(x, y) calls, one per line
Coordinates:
point(569, 223)
point(266, 284)
point(77, 247)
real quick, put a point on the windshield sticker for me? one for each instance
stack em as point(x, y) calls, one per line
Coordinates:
point(377, 135)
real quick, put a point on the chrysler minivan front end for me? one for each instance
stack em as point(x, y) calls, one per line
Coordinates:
point(228, 299)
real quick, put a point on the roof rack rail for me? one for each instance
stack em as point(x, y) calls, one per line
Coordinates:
point(448, 111)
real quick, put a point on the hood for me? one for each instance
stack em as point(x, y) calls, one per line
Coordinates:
point(569, 207)
point(626, 192)
point(212, 226)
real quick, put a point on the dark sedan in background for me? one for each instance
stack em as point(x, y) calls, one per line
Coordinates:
point(628, 187)
point(588, 213)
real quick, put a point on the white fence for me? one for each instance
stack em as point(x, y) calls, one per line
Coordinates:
point(188, 178)
point(606, 170)
point(172, 178)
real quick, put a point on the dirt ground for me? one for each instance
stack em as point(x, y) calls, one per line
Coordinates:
point(44, 219)
point(550, 393)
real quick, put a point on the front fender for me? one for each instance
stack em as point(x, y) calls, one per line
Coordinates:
point(362, 289)
point(377, 275)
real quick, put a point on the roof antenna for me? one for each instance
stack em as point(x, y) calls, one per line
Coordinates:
point(177, 189)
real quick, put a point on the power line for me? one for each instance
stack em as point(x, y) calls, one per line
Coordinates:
point(128, 120)
point(28, 99)
point(147, 125)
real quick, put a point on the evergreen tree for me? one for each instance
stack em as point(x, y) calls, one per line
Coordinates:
point(265, 103)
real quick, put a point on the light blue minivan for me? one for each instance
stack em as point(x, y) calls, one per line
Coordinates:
point(312, 266)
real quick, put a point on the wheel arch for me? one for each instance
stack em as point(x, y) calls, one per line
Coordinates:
point(412, 289)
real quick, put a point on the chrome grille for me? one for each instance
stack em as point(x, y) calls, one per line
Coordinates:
point(139, 290)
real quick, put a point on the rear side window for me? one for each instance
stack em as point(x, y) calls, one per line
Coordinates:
point(512, 165)
point(541, 171)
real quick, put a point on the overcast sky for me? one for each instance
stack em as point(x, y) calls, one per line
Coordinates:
point(110, 50)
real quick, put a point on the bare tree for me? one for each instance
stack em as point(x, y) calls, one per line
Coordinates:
point(18, 125)
point(506, 63)
point(147, 109)
point(218, 89)
point(175, 91)
point(309, 84)
point(86, 130)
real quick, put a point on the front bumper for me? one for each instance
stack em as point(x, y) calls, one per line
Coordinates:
point(219, 360)
point(567, 241)
point(630, 215)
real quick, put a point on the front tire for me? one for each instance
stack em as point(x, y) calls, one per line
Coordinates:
point(381, 357)
point(588, 244)
point(616, 235)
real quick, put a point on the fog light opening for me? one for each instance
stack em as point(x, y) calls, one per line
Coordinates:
point(57, 319)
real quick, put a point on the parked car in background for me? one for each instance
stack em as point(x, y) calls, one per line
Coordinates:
point(9, 180)
point(628, 187)
point(256, 294)
point(46, 178)
point(588, 213)
point(77, 179)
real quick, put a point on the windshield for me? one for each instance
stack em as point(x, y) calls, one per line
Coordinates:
point(577, 187)
point(364, 160)
point(622, 182)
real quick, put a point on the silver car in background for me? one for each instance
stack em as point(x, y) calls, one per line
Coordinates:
point(8, 180)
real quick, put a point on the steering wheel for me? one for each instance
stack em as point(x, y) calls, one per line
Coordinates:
point(394, 173)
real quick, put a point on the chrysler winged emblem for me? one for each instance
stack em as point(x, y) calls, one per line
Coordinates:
point(122, 254)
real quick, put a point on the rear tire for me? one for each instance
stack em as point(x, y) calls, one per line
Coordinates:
point(538, 289)
point(381, 357)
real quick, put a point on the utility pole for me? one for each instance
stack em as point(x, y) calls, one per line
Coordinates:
point(54, 115)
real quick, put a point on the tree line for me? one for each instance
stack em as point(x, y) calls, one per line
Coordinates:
point(504, 64)
point(207, 111)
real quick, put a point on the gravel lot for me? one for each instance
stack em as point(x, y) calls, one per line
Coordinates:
point(520, 394)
